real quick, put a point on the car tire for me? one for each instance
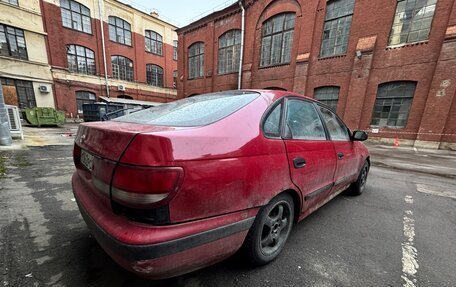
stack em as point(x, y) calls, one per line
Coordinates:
point(359, 185)
point(270, 230)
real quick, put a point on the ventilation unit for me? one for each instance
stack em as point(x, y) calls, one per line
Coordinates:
point(121, 88)
point(14, 121)
point(44, 89)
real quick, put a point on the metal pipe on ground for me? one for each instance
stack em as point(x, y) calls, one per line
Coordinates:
point(5, 133)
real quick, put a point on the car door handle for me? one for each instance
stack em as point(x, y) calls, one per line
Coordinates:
point(340, 155)
point(299, 162)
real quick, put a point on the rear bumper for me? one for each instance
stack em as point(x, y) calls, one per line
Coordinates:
point(174, 256)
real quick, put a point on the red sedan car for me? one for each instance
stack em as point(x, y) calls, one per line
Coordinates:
point(177, 187)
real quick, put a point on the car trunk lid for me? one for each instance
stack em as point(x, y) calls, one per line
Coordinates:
point(110, 139)
point(128, 188)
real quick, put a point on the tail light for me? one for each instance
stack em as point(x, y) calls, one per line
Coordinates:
point(76, 154)
point(145, 187)
point(137, 192)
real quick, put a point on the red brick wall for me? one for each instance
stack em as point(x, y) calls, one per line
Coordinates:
point(58, 37)
point(426, 63)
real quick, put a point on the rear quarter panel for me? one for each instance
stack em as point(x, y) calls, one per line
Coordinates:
point(229, 166)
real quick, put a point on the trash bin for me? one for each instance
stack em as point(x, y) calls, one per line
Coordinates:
point(40, 116)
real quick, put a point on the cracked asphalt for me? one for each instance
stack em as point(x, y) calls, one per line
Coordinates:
point(351, 241)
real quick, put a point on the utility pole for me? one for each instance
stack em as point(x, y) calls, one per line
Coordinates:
point(5, 134)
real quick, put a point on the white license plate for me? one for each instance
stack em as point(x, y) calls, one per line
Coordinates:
point(87, 160)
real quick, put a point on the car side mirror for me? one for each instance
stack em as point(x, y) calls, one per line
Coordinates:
point(359, 136)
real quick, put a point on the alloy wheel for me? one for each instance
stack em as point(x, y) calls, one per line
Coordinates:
point(276, 228)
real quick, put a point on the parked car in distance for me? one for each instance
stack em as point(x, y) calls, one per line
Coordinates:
point(184, 185)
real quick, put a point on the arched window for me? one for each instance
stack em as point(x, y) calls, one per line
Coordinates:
point(336, 30)
point(412, 22)
point(175, 44)
point(328, 95)
point(154, 42)
point(277, 39)
point(84, 97)
point(154, 75)
point(122, 68)
point(393, 103)
point(119, 30)
point(75, 16)
point(275, 89)
point(81, 60)
point(196, 60)
point(229, 52)
point(125, 97)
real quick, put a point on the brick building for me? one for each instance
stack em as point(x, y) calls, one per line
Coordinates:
point(388, 67)
point(24, 70)
point(140, 53)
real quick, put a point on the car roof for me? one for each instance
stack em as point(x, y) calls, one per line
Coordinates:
point(274, 95)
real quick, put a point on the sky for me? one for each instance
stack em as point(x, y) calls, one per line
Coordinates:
point(179, 12)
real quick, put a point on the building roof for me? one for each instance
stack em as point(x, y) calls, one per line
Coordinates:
point(145, 13)
point(209, 17)
point(129, 102)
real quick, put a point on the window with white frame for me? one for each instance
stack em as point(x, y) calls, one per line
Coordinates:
point(196, 60)
point(75, 16)
point(175, 44)
point(277, 39)
point(81, 60)
point(412, 21)
point(122, 68)
point(336, 30)
point(119, 30)
point(229, 52)
point(154, 75)
point(154, 42)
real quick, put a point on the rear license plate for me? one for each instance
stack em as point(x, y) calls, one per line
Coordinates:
point(87, 160)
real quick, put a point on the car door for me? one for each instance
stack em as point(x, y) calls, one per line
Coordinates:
point(311, 155)
point(347, 161)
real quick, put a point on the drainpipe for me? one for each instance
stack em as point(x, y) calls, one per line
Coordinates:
point(241, 57)
point(100, 13)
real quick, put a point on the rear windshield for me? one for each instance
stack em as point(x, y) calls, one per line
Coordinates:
point(195, 111)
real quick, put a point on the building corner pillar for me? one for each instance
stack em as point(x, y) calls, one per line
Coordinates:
point(359, 81)
point(441, 95)
point(301, 72)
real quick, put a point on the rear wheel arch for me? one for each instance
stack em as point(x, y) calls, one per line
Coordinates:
point(271, 228)
point(296, 202)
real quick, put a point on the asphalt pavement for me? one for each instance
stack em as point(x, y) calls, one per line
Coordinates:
point(400, 231)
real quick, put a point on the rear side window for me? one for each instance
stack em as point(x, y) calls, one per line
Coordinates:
point(191, 112)
point(271, 126)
